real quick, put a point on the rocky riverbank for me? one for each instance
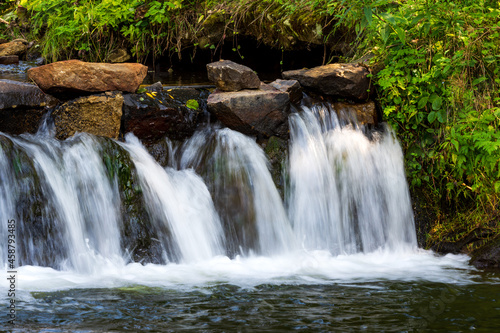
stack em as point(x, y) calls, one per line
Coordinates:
point(105, 100)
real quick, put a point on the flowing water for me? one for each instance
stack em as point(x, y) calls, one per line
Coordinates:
point(109, 240)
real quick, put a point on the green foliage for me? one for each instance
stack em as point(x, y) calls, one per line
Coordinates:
point(193, 104)
point(440, 89)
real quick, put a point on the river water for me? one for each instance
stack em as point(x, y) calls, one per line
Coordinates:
point(228, 253)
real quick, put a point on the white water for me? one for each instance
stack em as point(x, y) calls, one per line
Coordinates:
point(348, 219)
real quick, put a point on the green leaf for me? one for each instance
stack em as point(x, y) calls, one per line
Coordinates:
point(368, 15)
point(192, 104)
point(479, 80)
point(431, 116)
point(422, 102)
point(401, 34)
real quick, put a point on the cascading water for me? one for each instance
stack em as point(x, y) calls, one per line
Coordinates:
point(348, 193)
point(93, 207)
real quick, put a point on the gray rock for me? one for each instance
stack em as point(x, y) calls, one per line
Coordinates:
point(263, 112)
point(174, 113)
point(22, 106)
point(230, 76)
point(292, 87)
point(349, 81)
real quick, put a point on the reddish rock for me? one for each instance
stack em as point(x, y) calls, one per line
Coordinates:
point(230, 76)
point(349, 81)
point(365, 113)
point(75, 77)
point(262, 112)
point(15, 47)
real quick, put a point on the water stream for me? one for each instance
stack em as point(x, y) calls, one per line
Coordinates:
point(109, 240)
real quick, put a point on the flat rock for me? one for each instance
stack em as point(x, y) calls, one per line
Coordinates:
point(96, 114)
point(15, 47)
point(230, 76)
point(292, 87)
point(22, 106)
point(263, 112)
point(349, 81)
point(365, 113)
point(74, 77)
point(9, 60)
point(172, 113)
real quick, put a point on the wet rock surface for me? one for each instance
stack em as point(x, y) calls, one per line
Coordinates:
point(15, 47)
point(174, 113)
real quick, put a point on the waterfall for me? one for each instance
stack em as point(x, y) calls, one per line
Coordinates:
point(348, 193)
point(88, 202)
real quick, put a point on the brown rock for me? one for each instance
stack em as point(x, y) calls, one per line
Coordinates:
point(292, 87)
point(341, 80)
point(15, 47)
point(366, 113)
point(262, 112)
point(75, 77)
point(9, 60)
point(230, 76)
point(96, 114)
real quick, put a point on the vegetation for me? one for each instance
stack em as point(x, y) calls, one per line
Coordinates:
point(438, 86)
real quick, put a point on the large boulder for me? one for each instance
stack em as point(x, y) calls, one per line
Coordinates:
point(174, 113)
point(263, 112)
point(230, 76)
point(75, 77)
point(22, 106)
point(349, 81)
point(15, 47)
point(365, 113)
point(96, 114)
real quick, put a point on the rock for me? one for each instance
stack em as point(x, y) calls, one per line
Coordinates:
point(340, 80)
point(74, 77)
point(230, 76)
point(276, 150)
point(22, 106)
point(488, 257)
point(119, 55)
point(96, 114)
point(9, 60)
point(155, 87)
point(174, 113)
point(292, 87)
point(15, 47)
point(262, 112)
point(366, 113)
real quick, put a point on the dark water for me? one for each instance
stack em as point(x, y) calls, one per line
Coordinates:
point(383, 306)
